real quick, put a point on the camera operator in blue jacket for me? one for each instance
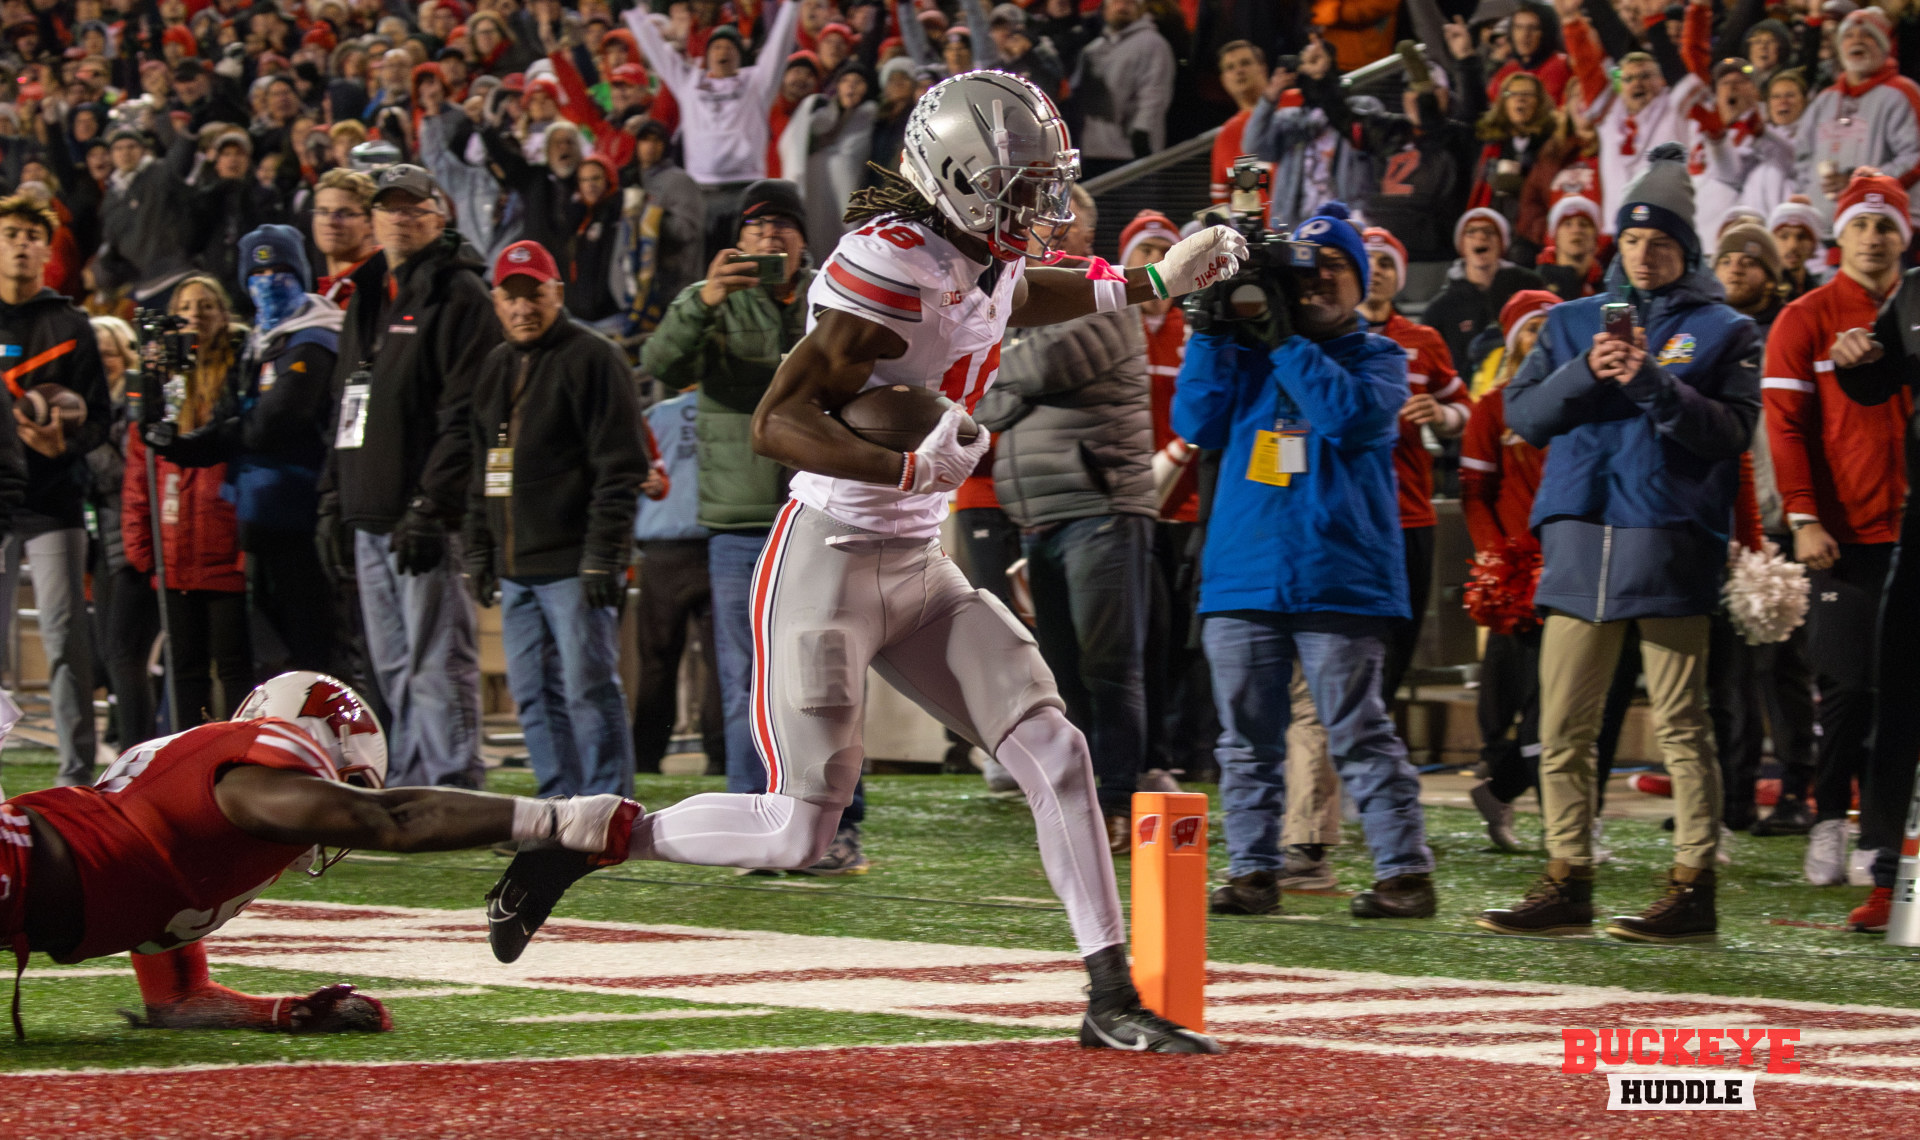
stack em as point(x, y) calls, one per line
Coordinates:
point(1303, 560)
point(1633, 514)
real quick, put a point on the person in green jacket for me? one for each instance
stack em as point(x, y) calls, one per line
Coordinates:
point(726, 336)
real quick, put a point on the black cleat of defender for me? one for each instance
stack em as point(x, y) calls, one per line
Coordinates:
point(523, 898)
point(1137, 1029)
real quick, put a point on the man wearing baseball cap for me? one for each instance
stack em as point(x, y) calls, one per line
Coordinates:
point(394, 490)
point(558, 457)
point(1842, 478)
point(1303, 562)
point(1633, 515)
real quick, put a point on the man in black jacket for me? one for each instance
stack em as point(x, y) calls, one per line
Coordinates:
point(395, 488)
point(558, 460)
point(45, 342)
point(1480, 282)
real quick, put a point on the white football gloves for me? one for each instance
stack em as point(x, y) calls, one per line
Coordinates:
point(941, 462)
point(1213, 254)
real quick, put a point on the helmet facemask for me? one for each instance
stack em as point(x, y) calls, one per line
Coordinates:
point(1027, 198)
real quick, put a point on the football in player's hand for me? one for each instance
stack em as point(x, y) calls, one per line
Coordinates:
point(898, 416)
point(44, 401)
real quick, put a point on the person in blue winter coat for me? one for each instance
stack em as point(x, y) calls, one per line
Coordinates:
point(1303, 561)
point(271, 430)
point(1633, 514)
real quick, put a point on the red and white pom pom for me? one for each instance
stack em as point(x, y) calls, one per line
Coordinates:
point(1499, 590)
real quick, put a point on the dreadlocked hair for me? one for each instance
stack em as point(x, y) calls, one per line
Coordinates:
point(894, 197)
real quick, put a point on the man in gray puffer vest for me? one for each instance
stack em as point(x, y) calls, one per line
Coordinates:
point(1073, 410)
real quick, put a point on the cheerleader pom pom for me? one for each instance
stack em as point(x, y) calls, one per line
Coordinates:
point(1765, 593)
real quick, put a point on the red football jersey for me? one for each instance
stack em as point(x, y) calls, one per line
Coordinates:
point(1430, 370)
point(1499, 474)
point(159, 864)
point(16, 858)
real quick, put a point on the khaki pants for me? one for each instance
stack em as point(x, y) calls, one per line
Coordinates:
point(1313, 788)
point(1577, 660)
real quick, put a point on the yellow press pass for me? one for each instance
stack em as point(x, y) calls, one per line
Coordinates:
point(1277, 457)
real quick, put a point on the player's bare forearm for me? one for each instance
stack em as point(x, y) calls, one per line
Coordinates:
point(1048, 296)
point(289, 807)
point(827, 368)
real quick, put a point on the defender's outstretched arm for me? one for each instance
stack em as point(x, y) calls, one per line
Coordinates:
point(297, 809)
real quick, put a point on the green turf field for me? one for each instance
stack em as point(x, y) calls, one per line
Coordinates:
point(952, 864)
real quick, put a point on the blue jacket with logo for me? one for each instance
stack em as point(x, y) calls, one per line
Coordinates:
point(1636, 502)
point(1328, 541)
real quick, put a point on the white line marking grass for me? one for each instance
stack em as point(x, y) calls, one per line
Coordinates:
point(650, 1015)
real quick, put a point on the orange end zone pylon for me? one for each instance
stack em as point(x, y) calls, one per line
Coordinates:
point(1170, 905)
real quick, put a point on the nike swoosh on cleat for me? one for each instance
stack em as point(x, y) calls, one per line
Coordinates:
point(1139, 1045)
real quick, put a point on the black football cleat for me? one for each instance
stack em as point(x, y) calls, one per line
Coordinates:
point(1137, 1029)
point(518, 905)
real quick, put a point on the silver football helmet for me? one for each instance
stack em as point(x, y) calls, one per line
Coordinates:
point(991, 152)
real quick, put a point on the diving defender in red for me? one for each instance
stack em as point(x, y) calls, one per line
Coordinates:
point(183, 832)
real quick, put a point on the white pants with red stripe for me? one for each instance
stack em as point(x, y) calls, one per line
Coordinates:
point(830, 600)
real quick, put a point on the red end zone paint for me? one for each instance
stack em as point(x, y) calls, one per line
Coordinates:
point(1045, 1090)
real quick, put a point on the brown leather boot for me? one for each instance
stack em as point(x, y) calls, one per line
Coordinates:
point(1403, 896)
point(1561, 902)
point(1256, 892)
point(1683, 914)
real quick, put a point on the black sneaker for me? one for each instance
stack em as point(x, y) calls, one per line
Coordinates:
point(1256, 892)
point(1559, 903)
point(1138, 1029)
point(1403, 896)
point(843, 856)
point(1683, 913)
point(1790, 817)
point(523, 898)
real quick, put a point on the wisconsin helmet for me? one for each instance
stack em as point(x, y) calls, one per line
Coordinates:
point(330, 712)
point(991, 152)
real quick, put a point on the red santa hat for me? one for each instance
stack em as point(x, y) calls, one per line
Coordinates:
point(1797, 211)
point(1147, 225)
point(1568, 206)
point(1522, 307)
point(1378, 240)
point(1483, 213)
point(1871, 192)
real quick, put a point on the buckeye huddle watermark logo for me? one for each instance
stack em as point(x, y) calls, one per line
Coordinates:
point(1664, 1050)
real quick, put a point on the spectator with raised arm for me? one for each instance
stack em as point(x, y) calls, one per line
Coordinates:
point(723, 109)
point(1632, 117)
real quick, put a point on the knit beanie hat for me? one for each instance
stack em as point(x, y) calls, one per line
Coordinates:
point(1662, 199)
point(1753, 241)
point(1873, 193)
point(1484, 214)
point(1378, 240)
point(1330, 227)
point(1776, 29)
point(1147, 225)
point(1874, 22)
point(1739, 216)
point(1797, 211)
point(1522, 307)
point(1569, 206)
point(272, 245)
point(773, 198)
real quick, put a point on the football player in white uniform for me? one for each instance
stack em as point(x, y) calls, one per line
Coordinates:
point(853, 575)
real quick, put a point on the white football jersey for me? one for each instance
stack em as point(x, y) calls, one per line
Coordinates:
point(906, 277)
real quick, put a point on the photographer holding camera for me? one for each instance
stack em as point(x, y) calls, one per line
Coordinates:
point(1303, 557)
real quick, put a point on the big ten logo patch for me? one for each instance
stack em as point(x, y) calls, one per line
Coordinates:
point(1186, 831)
